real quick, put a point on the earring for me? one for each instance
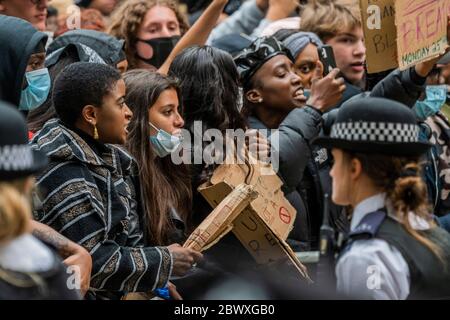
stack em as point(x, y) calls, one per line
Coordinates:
point(260, 100)
point(95, 131)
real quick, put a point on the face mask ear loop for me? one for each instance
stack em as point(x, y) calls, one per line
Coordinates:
point(154, 127)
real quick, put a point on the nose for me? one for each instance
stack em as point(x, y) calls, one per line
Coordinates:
point(42, 4)
point(128, 113)
point(295, 78)
point(165, 32)
point(179, 121)
point(360, 48)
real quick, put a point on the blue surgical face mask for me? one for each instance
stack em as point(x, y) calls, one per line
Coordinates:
point(37, 90)
point(163, 142)
point(435, 99)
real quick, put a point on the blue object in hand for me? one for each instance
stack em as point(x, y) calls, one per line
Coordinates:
point(163, 293)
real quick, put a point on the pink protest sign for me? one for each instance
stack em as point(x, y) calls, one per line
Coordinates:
point(421, 30)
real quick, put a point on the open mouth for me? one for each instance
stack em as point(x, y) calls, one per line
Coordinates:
point(358, 66)
point(300, 95)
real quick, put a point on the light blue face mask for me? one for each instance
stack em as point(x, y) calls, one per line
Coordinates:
point(37, 90)
point(436, 97)
point(163, 142)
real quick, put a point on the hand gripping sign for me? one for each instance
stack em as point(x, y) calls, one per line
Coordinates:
point(254, 208)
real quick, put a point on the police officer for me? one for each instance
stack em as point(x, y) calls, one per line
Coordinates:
point(394, 249)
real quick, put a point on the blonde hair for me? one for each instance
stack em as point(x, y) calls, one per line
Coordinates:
point(128, 17)
point(15, 209)
point(327, 18)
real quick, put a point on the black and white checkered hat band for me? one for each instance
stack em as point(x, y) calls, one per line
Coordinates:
point(375, 131)
point(15, 158)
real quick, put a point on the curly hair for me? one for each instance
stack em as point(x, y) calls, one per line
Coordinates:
point(128, 17)
point(81, 84)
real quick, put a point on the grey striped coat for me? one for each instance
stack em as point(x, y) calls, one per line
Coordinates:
point(90, 199)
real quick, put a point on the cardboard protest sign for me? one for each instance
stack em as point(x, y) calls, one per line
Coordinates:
point(421, 30)
point(255, 211)
point(402, 33)
point(220, 221)
point(378, 17)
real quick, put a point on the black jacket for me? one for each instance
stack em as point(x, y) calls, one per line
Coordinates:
point(19, 40)
point(403, 86)
point(304, 169)
point(350, 91)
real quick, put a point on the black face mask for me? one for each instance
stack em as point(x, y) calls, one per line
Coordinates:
point(162, 47)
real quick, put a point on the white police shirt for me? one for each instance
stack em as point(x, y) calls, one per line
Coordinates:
point(372, 268)
point(26, 254)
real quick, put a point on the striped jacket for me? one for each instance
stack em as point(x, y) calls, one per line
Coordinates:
point(90, 199)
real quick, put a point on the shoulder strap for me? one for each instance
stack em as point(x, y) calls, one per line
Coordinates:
point(366, 229)
point(369, 225)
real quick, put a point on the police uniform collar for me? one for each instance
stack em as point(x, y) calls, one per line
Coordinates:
point(365, 207)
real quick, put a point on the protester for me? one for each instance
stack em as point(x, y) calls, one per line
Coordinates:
point(273, 99)
point(210, 94)
point(87, 191)
point(303, 47)
point(150, 30)
point(429, 110)
point(443, 66)
point(376, 149)
point(435, 127)
point(338, 23)
point(155, 132)
point(211, 97)
point(28, 268)
point(33, 11)
point(22, 57)
point(75, 46)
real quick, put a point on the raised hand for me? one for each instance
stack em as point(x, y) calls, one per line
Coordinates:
point(327, 91)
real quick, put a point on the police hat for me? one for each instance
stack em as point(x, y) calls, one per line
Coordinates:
point(376, 126)
point(17, 158)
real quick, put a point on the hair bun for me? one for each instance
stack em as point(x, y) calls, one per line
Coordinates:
point(409, 188)
point(410, 170)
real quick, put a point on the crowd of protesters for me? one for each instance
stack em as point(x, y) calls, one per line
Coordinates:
point(97, 96)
